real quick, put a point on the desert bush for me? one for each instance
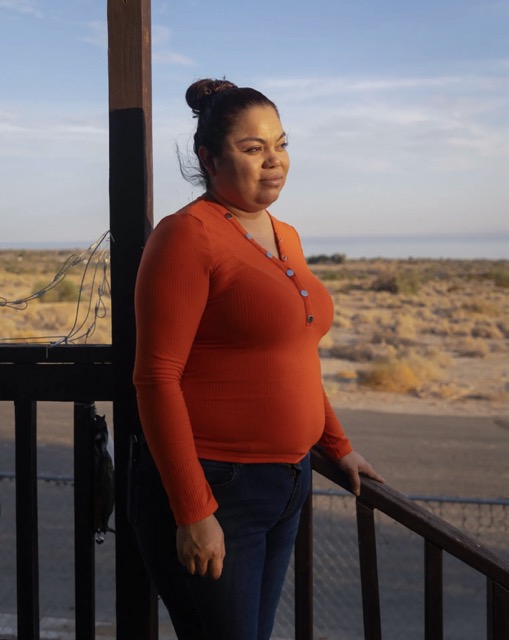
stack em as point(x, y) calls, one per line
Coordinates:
point(64, 291)
point(402, 373)
point(473, 348)
point(391, 375)
point(405, 282)
point(486, 330)
point(328, 276)
point(483, 306)
point(503, 327)
point(354, 352)
point(500, 276)
point(335, 258)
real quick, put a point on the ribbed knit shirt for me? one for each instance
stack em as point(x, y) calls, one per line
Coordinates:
point(227, 364)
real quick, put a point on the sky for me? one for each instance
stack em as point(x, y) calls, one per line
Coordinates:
point(397, 111)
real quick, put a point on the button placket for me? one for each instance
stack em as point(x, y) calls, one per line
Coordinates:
point(290, 273)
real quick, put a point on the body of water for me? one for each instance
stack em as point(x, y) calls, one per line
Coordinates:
point(492, 246)
point(466, 247)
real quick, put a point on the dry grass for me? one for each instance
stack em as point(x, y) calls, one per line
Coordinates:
point(421, 337)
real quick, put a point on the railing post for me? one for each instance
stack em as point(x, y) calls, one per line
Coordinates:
point(433, 592)
point(497, 611)
point(369, 571)
point(304, 573)
point(129, 65)
point(84, 553)
point(27, 547)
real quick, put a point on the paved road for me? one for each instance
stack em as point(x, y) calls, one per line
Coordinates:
point(417, 454)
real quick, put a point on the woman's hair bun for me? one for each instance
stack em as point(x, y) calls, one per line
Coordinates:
point(201, 90)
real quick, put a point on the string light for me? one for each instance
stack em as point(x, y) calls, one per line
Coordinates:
point(95, 262)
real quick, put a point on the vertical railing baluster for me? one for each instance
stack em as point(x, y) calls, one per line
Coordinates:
point(369, 571)
point(497, 613)
point(304, 573)
point(433, 592)
point(84, 520)
point(27, 546)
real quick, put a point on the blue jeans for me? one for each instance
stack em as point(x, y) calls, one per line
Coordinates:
point(259, 511)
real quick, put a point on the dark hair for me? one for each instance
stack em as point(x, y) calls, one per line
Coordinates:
point(217, 104)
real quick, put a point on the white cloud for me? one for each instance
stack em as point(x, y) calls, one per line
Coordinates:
point(57, 135)
point(398, 124)
point(318, 88)
point(167, 57)
point(22, 6)
point(161, 51)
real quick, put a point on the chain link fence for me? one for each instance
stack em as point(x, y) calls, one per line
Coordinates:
point(337, 595)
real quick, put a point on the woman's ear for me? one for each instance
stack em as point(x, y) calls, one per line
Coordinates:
point(207, 160)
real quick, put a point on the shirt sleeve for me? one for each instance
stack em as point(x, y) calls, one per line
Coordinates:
point(171, 294)
point(333, 440)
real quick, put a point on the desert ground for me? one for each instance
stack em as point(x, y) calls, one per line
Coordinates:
point(411, 336)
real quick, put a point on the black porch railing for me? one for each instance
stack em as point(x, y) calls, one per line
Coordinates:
point(438, 536)
point(81, 375)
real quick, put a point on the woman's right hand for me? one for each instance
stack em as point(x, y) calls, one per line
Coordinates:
point(200, 547)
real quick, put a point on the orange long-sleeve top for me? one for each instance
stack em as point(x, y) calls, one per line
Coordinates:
point(227, 364)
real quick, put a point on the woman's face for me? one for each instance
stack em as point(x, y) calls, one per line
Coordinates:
point(251, 170)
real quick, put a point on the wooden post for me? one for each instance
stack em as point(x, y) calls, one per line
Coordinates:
point(131, 220)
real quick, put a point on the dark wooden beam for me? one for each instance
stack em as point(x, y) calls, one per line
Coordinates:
point(131, 221)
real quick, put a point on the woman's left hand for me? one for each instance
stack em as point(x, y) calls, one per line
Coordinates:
point(355, 465)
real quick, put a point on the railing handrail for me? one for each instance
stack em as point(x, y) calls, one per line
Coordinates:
point(37, 353)
point(421, 497)
point(416, 518)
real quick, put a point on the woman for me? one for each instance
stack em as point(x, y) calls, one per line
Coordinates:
point(228, 379)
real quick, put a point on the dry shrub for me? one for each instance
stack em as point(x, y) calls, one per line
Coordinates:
point(440, 327)
point(64, 291)
point(484, 307)
point(503, 327)
point(473, 348)
point(403, 281)
point(500, 277)
point(346, 375)
point(391, 375)
point(358, 352)
point(404, 373)
point(486, 330)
